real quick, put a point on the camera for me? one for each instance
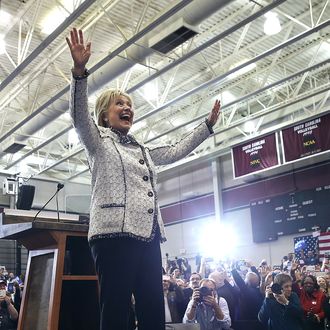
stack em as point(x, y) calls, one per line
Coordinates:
point(204, 292)
point(276, 288)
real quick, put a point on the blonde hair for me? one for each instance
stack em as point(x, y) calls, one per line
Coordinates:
point(103, 103)
point(207, 280)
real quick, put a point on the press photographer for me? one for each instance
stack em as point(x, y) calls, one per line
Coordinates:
point(281, 309)
point(207, 309)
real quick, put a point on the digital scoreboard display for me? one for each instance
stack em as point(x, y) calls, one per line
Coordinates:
point(291, 213)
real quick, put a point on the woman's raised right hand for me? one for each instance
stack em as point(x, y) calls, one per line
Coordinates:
point(79, 52)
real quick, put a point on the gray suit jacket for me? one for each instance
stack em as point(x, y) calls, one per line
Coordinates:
point(124, 196)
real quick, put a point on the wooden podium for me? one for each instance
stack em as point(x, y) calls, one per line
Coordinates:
point(61, 287)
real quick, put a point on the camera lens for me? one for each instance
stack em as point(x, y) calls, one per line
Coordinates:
point(276, 288)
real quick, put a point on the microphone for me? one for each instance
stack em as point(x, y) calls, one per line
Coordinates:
point(59, 187)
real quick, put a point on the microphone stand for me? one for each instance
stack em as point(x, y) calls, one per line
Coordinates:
point(59, 187)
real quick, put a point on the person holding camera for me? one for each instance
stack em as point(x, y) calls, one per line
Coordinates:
point(207, 309)
point(281, 309)
point(8, 313)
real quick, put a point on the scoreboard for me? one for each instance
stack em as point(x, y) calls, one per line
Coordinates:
point(291, 213)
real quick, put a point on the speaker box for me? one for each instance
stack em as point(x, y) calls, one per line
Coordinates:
point(25, 197)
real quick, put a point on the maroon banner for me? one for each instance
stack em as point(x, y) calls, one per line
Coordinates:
point(306, 139)
point(255, 155)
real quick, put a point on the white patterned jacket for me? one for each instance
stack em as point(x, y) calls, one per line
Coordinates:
point(124, 196)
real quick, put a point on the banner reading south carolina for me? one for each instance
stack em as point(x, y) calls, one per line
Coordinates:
point(306, 139)
point(255, 155)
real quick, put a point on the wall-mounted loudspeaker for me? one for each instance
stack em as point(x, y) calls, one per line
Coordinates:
point(25, 197)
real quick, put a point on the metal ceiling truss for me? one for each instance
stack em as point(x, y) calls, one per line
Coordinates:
point(235, 124)
point(98, 65)
point(184, 58)
point(54, 165)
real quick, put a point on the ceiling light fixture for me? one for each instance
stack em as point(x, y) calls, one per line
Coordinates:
point(150, 90)
point(249, 126)
point(272, 24)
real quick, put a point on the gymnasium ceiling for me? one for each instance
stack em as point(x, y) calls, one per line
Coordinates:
point(269, 80)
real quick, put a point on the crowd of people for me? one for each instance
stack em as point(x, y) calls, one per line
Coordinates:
point(11, 288)
point(237, 295)
point(295, 295)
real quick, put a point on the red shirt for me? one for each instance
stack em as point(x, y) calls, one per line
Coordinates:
point(313, 303)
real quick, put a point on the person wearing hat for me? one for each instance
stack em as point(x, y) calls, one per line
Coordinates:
point(8, 313)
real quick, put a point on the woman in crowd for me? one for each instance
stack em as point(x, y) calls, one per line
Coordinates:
point(125, 222)
point(324, 287)
point(281, 309)
point(323, 284)
point(312, 300)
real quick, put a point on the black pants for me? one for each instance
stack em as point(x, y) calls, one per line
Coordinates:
point(125, 266)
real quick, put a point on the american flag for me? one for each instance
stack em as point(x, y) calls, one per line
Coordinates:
point(316, 242)
point(324, 244)
point(311, 244)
